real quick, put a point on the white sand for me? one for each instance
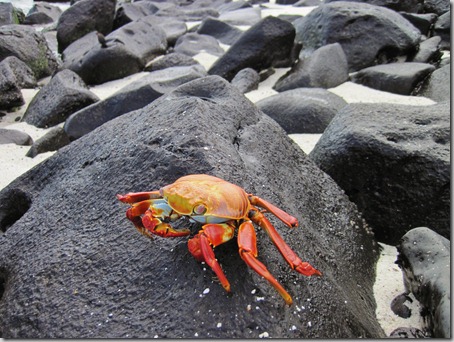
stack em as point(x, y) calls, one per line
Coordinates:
point(389, 281)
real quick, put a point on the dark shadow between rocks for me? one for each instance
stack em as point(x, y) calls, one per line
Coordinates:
point(13, 205)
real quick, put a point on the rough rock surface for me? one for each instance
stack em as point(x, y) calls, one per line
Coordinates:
point(65, 94)
point(12, 136)
point(173, 27)
point(131, 97)
point(393, 161)
point(398, 78)
point(326, 68)
point(74, 266)
point(425, 260)
point(30, 46)
point(411, 6)
point(436, 86)
point(303, 110)
point(368, 34)
point(267, 43)
point(83, 17)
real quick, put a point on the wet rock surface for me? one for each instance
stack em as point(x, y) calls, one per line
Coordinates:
point(82, 270)
point(425, 259)
point(388, 159)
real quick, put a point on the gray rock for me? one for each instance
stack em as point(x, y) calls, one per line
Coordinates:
point(220, 30)
point(193, 43)
point(368, 34)
point(429, 51)
point(187, 13)
point(442, 28)
point(15, 75)
point(393, 161)
point(424, 22)
point(397, 78)
point(30, 46)
point(96, 65)
point(267, 43)
point(303, 110)
point(404, 332)
point(53, 140)
point(129, 12)
point(304, 3)
point(9, 15)
point(326, 68)
point(82, 18)
point(244, 16)
point(24, 76)
point(170, 60)
point(425, 260)
point(173, 27)
point(134, 96)
point(410, 6)
point(65, 94)
point(12, 136)
point(437, 87)
point(69, 253)
point(141, 38)
point(438, 7)
point(246, 80)
point(42, 13)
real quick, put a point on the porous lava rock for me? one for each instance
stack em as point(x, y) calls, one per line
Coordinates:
point(74, 266)
point(393, 161)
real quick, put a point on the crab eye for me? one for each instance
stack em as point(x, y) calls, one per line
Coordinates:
point(199, 209)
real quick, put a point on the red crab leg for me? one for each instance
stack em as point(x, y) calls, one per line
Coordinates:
point(134, 197)
point(289, 255)
point(279, 213)
point(200, 247)
point(247, 241)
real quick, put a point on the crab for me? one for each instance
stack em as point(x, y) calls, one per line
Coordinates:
point(222, 208)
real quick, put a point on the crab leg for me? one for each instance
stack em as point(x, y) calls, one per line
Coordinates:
point(289, 255)
point(247, 242)
point(134, 197)
point(200, 247)
point(279, 213)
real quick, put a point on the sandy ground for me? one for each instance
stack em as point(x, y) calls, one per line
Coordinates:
point(389, 283)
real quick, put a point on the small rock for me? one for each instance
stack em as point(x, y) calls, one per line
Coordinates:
point(425, 259)
point(246, 80)
point(436, 86)
point(408, 333)
point(193, 43)
point(12, 136)
point(53, 140)
point(398, 305)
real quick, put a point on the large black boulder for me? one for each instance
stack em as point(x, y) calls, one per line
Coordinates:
point(72, 265)
point(83, 17)
point(96, 65)
point(267, 43)
point(425, 260)
point(368, 34)
point(30, 46)
point(393, 161)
